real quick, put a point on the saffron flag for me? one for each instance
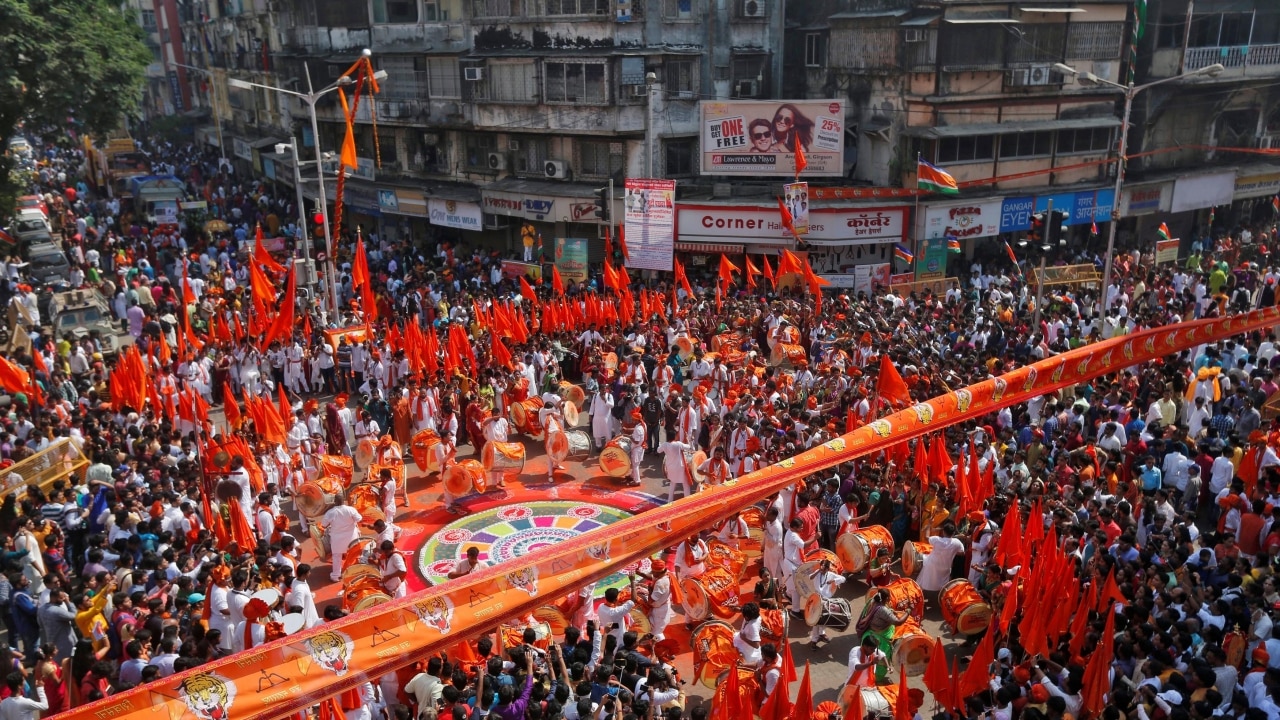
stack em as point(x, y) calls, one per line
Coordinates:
point(727, 269)
point(768, 270)
point(526, 291)
point(556, 283)
point(282, 326)
point(1163, 231)
point(262, 257)
point(891, 385)
point(901, 252)
point(788, 221)
point(931, 178)
point(751, 271)
point(360, 279)
point(801, 161)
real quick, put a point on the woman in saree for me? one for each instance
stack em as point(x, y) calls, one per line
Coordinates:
point(878, 620)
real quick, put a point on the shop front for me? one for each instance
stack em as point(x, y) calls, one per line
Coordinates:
point(404, 213)
point(1254, 187)
point(1143, 206)
point(552, 210)
point(703, 232)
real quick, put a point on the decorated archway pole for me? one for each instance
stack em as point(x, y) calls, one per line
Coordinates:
point(293, 673)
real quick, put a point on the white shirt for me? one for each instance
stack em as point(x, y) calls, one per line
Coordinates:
point(611, 615)
point(750, 633)
point(936, 569)
point(20, 708)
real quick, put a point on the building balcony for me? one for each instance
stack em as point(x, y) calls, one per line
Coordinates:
point(1239, 60)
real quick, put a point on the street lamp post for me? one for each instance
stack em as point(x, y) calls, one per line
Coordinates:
point(650, 82)
point(310, 98)
point(213, 104)
point(1130, 91)
point(302, 209)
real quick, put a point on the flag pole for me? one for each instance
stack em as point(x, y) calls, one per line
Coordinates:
point(915, 219)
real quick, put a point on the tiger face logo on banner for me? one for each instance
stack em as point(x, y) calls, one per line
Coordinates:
point(1001, 385)
point(525, 579)
point(924, 413)
point(208, 696)
point(964, 399)
point(599, 551)
point(789, 462)
point(332, 651)
point(836, 445)
point(1127, 350)
point(1032, 376)
point(881, 428)
point(436, 613)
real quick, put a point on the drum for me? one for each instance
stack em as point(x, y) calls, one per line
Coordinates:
point(364, 451)
point(905, 595)
point(786, 353)
point(693, 460)
point(722, 592)
point(696, 605)
point(574, 445)
point(615, 458)
point(857, 547)
point(425, 449)
point(752, 546)
point(573, 394)
point(912, 647)
point(963, 608)
point(913, 554)
point(570, 412)
point(227, 490)
point(720, 554)
point(837, 566)
point(684, 347)
point(337, 466)
point(827, 612)
point(725, 341)
point(713, 651)
point(358, 554)
point(553, 618)
point(365, 498)
point(311, 500)
point(506, 458)
point(878, 701)
point(462, 478)
point(293, 623)
point(363, 594)
point(640, 621)
point(321, 536)
point(524, 415)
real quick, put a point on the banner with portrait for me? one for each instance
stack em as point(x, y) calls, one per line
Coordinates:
point(755, 137)
point(796, 197)
point(297, 671)
point(649, 211)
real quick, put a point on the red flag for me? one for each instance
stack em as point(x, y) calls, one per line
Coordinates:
point(526, 291)
point(262, 257)
point(751, 271)
point(230, 408)
point(556, 283)
point(803, 707)
point(891, 386)
point(282, 326)
point(801, 163)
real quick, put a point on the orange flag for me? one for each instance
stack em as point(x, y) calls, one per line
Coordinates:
point(229, 407)
point(262, 257)
point(501, 355)
point(788, 221)
point(348, 156)
point(188, 297)
point(282, 326)
point(526, 291)
point(13, 377)
point(935, 674)
point(803, 707)
point(1110, 594)
point(778, 705)
point(891, 385)
point(789, 262)
point(286, 409)
point(361, 279)
point(901, 708)
point(751, 271)
point(725, 705)
point(1097, 677)
point(727, 269)
point(556, 283)
point(1009, 549)
point(977, 676)
point(768, 270)
point(1010, 609)
point(801, 163)
point(622, 242)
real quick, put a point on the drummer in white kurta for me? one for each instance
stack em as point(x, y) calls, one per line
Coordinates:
point(935, 571)
point(423, 409)
point(343, 523)
point(659, 594)
point(827, 582)
point(676, 467)
point(447, 425)
point(390, 455)
point(601, 417)
point(638, 435)
point(496, 429)
point(394, 569)
point(552, 419)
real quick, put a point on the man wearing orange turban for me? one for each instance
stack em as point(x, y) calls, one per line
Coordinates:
point(638, 435)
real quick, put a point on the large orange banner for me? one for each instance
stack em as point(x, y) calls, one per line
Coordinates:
point(298, 671)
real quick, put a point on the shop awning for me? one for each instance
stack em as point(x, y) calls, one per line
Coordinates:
point(709, 248)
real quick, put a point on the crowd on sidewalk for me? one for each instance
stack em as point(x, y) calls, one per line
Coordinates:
point(1157, 487)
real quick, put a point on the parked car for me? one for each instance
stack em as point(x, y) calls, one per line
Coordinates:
point(47, 264)
point(33, 202)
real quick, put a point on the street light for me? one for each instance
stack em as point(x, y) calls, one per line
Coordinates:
point(311, 97)
point(1088, 79)
point(292, 147)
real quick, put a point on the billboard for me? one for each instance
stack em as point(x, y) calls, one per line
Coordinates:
point(571, 259)
point(754, 137)
point(796, 197)
point(649, 208)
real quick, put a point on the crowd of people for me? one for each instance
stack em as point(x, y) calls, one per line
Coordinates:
point(1163, 478)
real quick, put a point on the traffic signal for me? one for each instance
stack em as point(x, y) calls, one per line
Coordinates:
point(1036, 233)
point(1056, 227)
point(602, 203)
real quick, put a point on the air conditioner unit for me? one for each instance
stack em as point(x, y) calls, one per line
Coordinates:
point(639, 91)
point(557, 169)
point(753, 8)
point(747, 88)
point(1039, 75)
point(474, 73)
point(913, 35)
point(513, 145)
point(1017, 77)
point(497, 161)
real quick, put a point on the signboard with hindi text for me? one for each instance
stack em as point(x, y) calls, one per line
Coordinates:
point(759, 137)
point(796, 197)
point(649, 213)
point(1167, 250)
point(571, 259)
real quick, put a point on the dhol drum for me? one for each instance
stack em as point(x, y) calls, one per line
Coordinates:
point(364, 451)
point(293, 623)
point(553, 618)
point(524, 415)
point(573, 393)
point(574, 445)
point(425, 449)
point(827, 612)
point(837, 566)
point(803, 579)
point(570, 413)
point(336, 466)
point(725, 340)
point(963, 609)
point(360, 552)
point(713, 651)
point(912, 647)
point(721, 554)
point(510, 636)
point(311, 500)
point(773, 624)
point(857, 547)
point(877, 701)
point(722, 592)
point(905, 595)
point(913, 554)
point(465, 477)
point(615, 458)
point(363, 591)
point(696, 605)
point(786, 354)
point(752, 546)
point(366, 498)
point(506, 458)
point(321, 535)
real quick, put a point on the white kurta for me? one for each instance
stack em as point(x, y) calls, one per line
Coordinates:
point(936, 569)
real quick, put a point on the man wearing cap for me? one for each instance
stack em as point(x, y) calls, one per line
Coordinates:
point(659, 594)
